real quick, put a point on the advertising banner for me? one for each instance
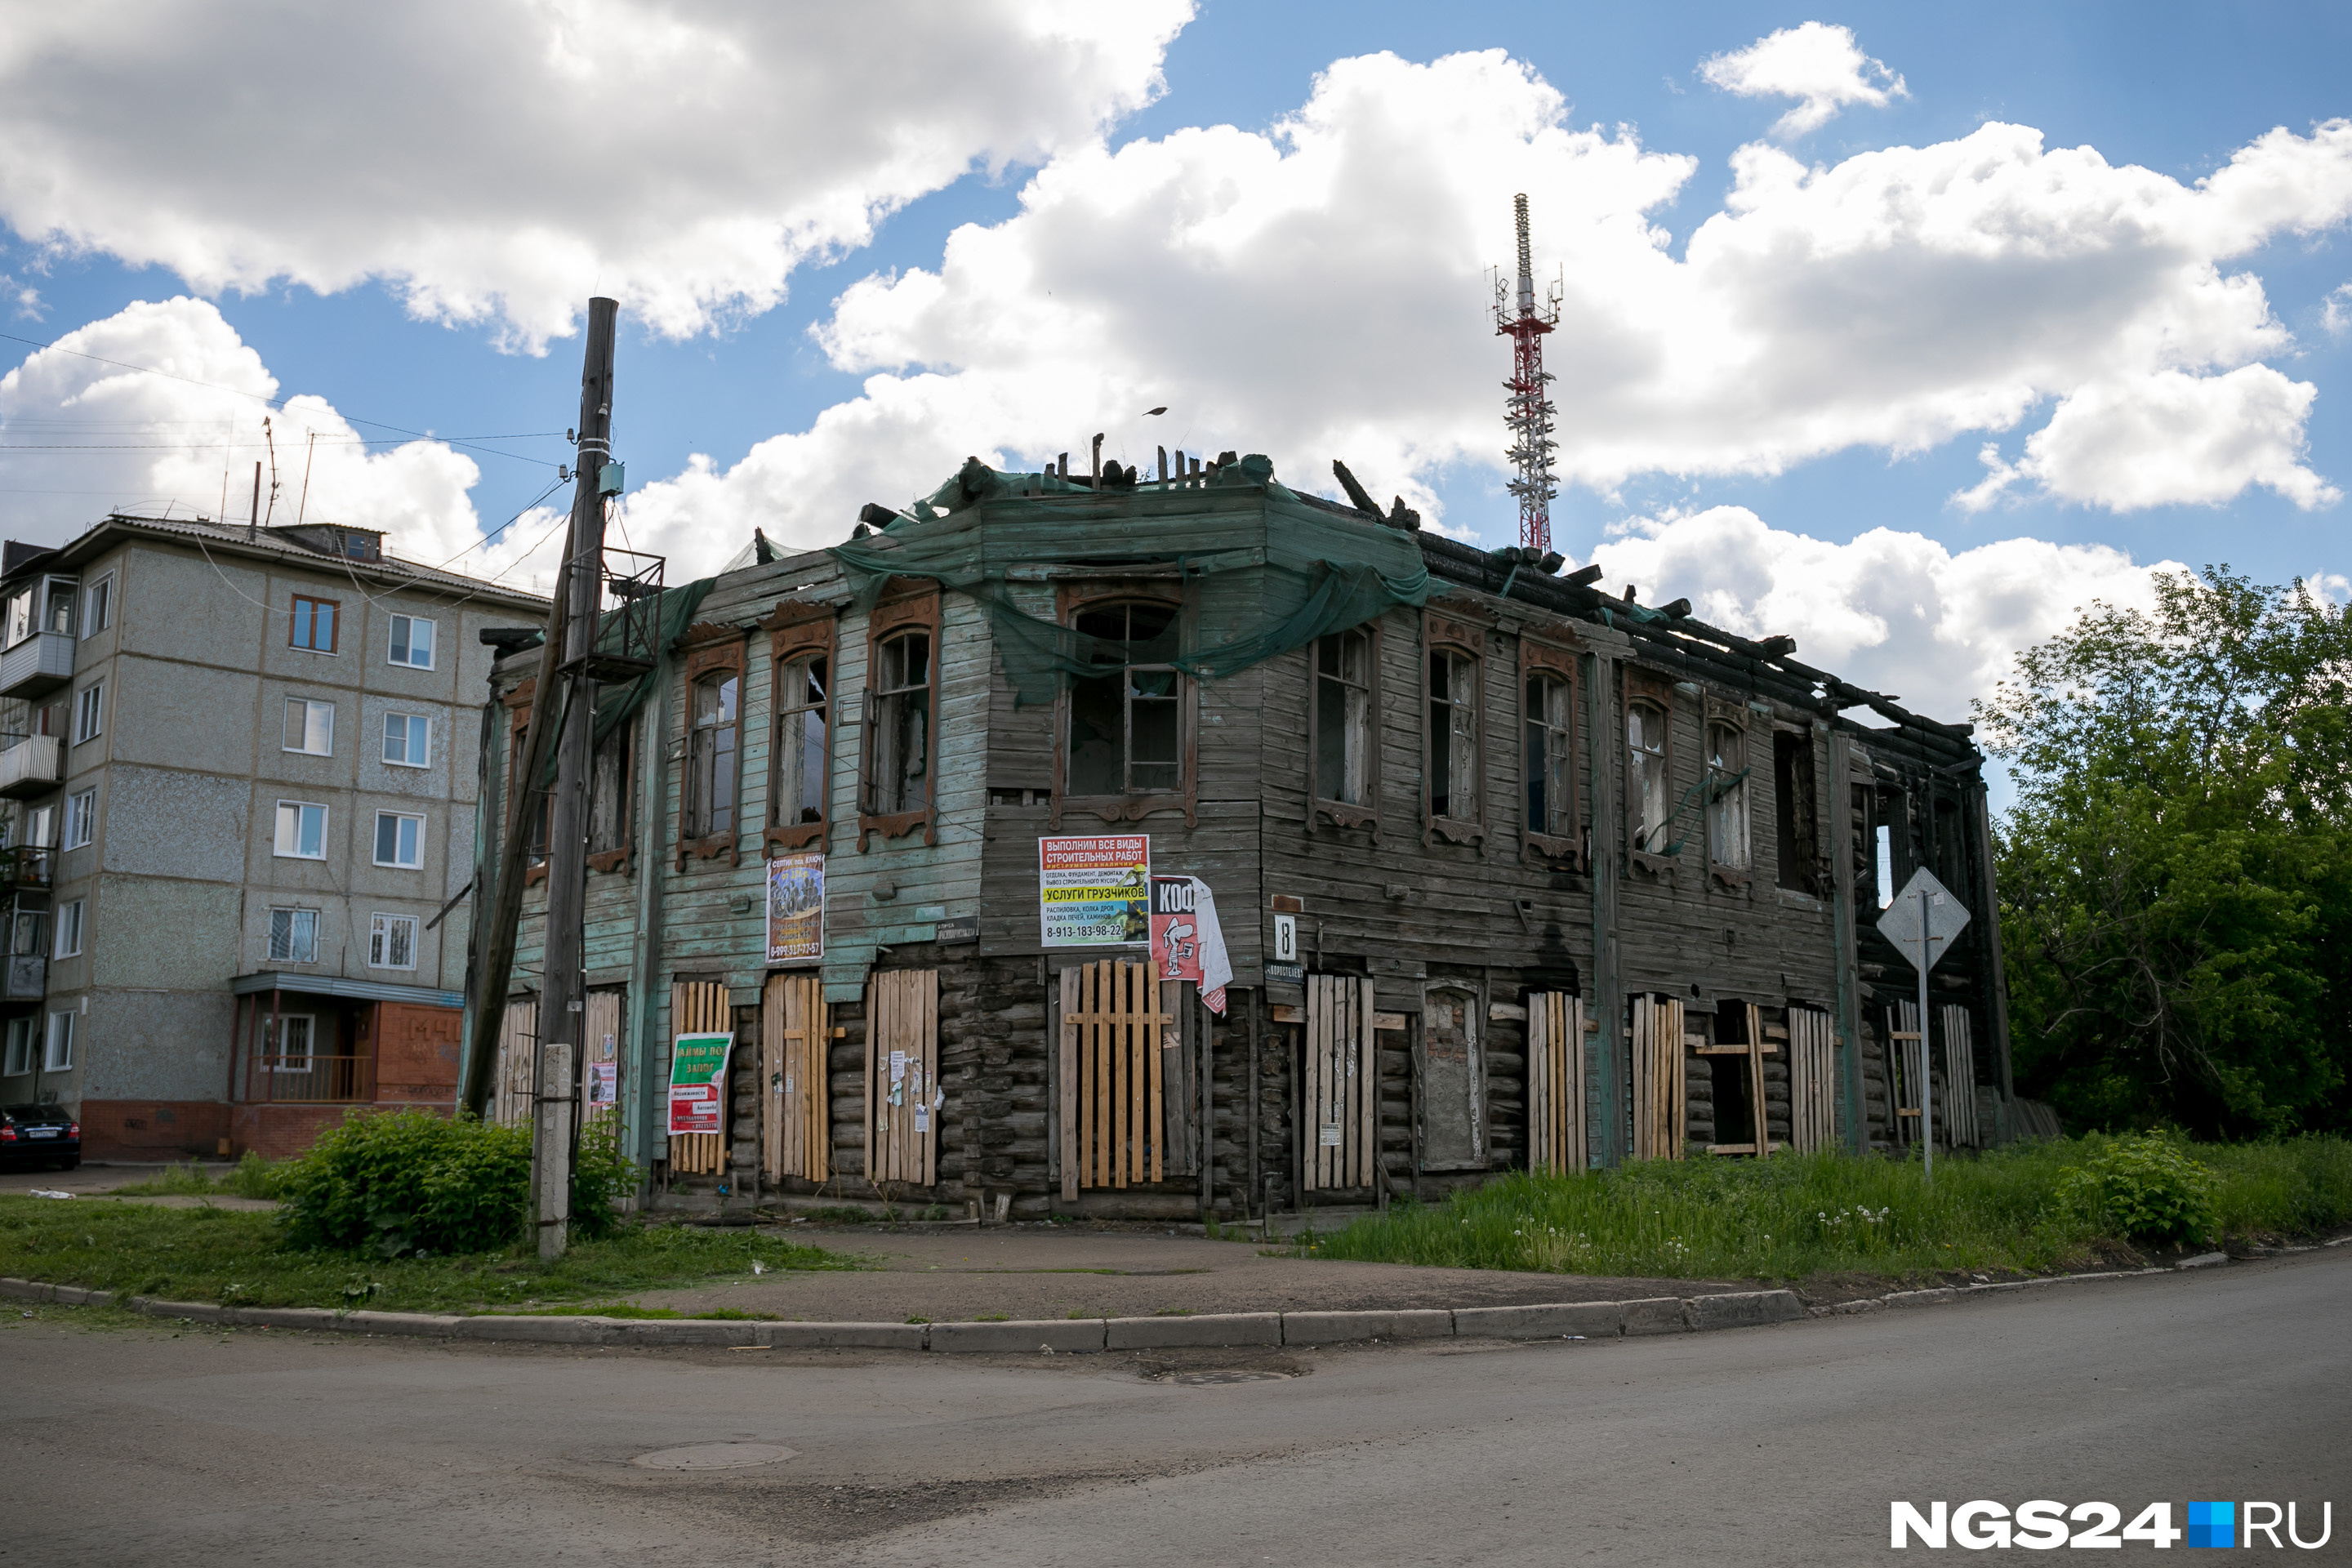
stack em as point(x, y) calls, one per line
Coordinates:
point(1093, 891)
point(1187, 943)
point(796, 907)
point(698, 1083)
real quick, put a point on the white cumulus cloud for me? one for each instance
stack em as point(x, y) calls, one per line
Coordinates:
point(1315, 289)
point(1819, 65)
point(81, 433)
point(499, 159)
point(1891, 610)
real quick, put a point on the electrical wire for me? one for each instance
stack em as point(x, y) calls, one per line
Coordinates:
point(278, 403)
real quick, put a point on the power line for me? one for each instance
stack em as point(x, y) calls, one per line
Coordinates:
point(271, 402)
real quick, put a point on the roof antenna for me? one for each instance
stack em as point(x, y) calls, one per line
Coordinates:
point(270, 437)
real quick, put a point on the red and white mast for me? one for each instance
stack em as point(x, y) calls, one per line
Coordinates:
point(1527, 412)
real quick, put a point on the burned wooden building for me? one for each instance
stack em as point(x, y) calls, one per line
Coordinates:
point(1509, 871)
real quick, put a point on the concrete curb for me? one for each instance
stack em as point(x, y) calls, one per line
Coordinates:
point(1082, 1336)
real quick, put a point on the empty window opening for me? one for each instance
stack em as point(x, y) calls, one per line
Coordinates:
point(1343, 711)
point(1453, 735)
point(608, 790)
point(1727, 796)
point(711, 798)
point(902, 724)
point(1886, 865)
point(1645, 742)
point(1795, 812)
point(1549, 757)
point(1125, 730)
point(801, 728)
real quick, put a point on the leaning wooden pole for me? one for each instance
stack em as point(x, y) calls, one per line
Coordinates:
point(486, 1007)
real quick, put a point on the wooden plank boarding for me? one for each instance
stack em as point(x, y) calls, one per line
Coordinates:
point(1812, 1079)
point(1341, 1091)
point(796, 1040)
point(699, 1007)
point(1114, 1089)
point(1556, 1136)
point(1763, 1117)
point(1072, 1148)
point(902, 1107)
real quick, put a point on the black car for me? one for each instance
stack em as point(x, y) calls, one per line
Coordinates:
point(40, 1135)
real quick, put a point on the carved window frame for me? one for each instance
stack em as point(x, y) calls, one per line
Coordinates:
point(1714, 711)
point(1319, 808)
point(1072, 600)
point(798, 631)
point(1443, 633)
point(1650, 688)
point(909, 608)
point(710, 650)
point(1560, 661)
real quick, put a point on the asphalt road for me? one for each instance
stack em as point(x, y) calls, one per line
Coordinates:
point(140, 1445)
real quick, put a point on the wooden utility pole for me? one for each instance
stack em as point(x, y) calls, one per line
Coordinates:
point(563, 998)
point(578, 588)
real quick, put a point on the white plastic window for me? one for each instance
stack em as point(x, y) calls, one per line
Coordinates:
point(399, 840)
point(412, 642)
point(392, 941)
point(310, 727)
point(407, 739)
point(301, 831)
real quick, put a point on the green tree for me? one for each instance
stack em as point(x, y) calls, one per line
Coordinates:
point(2175, 879)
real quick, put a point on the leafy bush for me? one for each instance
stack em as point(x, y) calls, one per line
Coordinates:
point(410, 1182)
point(255, 1177)
point(2143, 1189)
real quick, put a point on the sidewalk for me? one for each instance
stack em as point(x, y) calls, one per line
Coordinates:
point(1054, 1271)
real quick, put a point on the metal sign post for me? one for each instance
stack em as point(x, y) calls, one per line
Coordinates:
point(1921, 922)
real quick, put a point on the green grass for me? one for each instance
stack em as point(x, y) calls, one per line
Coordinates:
point(235, 1257)
point(1799, 1217)
point(251, 1177)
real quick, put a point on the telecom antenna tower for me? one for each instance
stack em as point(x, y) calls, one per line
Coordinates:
point(1527, 412)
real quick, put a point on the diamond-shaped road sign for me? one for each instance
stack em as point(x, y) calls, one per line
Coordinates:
point(1945, 917)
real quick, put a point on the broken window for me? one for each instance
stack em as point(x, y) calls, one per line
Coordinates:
point(608, 791)
point(1548, 757)
point(710, 756)
point(1126, 733)
point(901, 741)
point(1726, 796)
point(1793, 799)
point(1453, 735)
point(1343, 717)
point(1646, 774)
point(801, 706)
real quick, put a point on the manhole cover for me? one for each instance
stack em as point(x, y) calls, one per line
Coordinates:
point(1214, 1379)
point(714, 1457)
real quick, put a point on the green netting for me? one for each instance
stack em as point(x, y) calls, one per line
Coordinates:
point(616, 703)
point(1263, 572)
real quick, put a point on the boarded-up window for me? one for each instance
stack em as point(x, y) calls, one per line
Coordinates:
point(1958, 1106)
point(794, 1042)
point(511, 1091)
point(1742, 1112)
point(1122, 1084)
point(903, 1097)
point(600, 1073)
point(1453, 1082)
point(699, 1007)
point(1812, 1079)
point(1659, 1084)
point(1341, 1084)
point(1555, 1082)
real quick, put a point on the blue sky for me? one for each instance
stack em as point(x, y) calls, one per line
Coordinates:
point(2177, 90)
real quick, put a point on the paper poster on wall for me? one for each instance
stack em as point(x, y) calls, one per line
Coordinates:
point(1187, 943)
point(604, 1082)
point(1094, 891)
point(698, 1080)
point(796, 907)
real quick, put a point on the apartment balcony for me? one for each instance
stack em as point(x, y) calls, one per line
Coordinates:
point(25, 867)
point(28, 976)
point(37, 666)
point(36, 766)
